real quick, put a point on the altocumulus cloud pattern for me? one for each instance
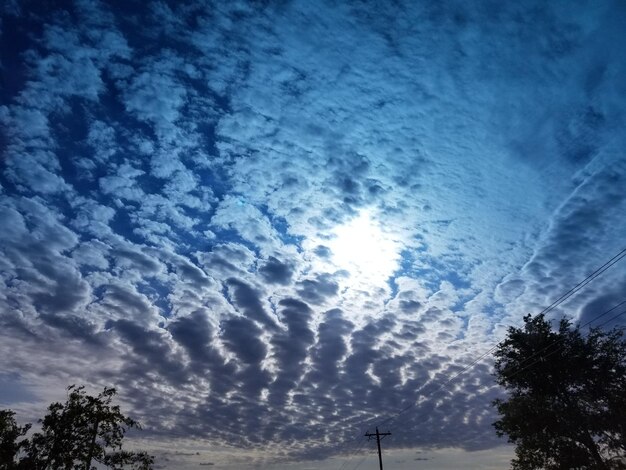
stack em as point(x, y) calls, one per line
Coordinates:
point(269, 222)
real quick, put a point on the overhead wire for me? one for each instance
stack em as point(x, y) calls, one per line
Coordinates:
point(615, 259)
point(545, 348)
point(355, 451)
point(580, 285)
point(556, 342)
point(517, 371)
point(599, 271)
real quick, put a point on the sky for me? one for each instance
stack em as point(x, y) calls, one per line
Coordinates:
point(274, 225)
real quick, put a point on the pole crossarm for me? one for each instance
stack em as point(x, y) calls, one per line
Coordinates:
point(379, 436)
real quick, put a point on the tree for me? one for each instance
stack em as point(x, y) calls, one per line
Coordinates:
point(84, 430)
point(566, 407)
point(10, 446)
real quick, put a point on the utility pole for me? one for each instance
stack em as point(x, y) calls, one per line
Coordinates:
point(379, 437)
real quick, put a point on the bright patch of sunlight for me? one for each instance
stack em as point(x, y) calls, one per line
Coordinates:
point(364, 249)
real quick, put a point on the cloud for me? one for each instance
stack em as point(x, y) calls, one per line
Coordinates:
point(276, 272)
point(329, 350)
point(74, 327)
point(248, 301)
point(155, 96)
point(151, 353)
point(566, 255)
point(317, 290)
point(195, 333)
point(290, 349)
point(173, 178)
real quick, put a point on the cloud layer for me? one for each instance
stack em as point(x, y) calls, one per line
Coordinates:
point(175, 179)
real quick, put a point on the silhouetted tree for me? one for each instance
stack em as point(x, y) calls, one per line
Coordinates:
point(567, 396)
point(77, 434)
point(12, 440)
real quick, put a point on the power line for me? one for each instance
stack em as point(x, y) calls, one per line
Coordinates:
point(519, 370)
point(545, 348)
point(565, 296)
point(360, 462)
point(354, 452)
point(535, 354)
point(612, 318)
point(379, 436)
point(599, 271)
point(556, 342)
point(585, 281)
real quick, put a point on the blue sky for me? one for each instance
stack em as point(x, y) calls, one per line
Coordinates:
point(280, 223)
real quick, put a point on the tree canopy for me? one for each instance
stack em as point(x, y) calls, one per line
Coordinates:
point(12, 439)
point(74, 435)
point(566, 405)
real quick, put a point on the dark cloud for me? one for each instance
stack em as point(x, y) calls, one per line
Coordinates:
point(249, 301)
point(190, 272)
point(604, 311)
point(319, 289)
point(243, 337)
point(194, 332)
point(136, 259)
point(323, 251)
point(69, 292)
point(151, 353)
point(16, 326)
point(290, 348)
point(127, 302)
point(75, 327)
point(410, 306)
point(276, 272)
point(197, 335)
point(330, 349)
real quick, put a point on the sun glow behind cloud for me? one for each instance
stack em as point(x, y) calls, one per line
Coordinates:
point(364, 249)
